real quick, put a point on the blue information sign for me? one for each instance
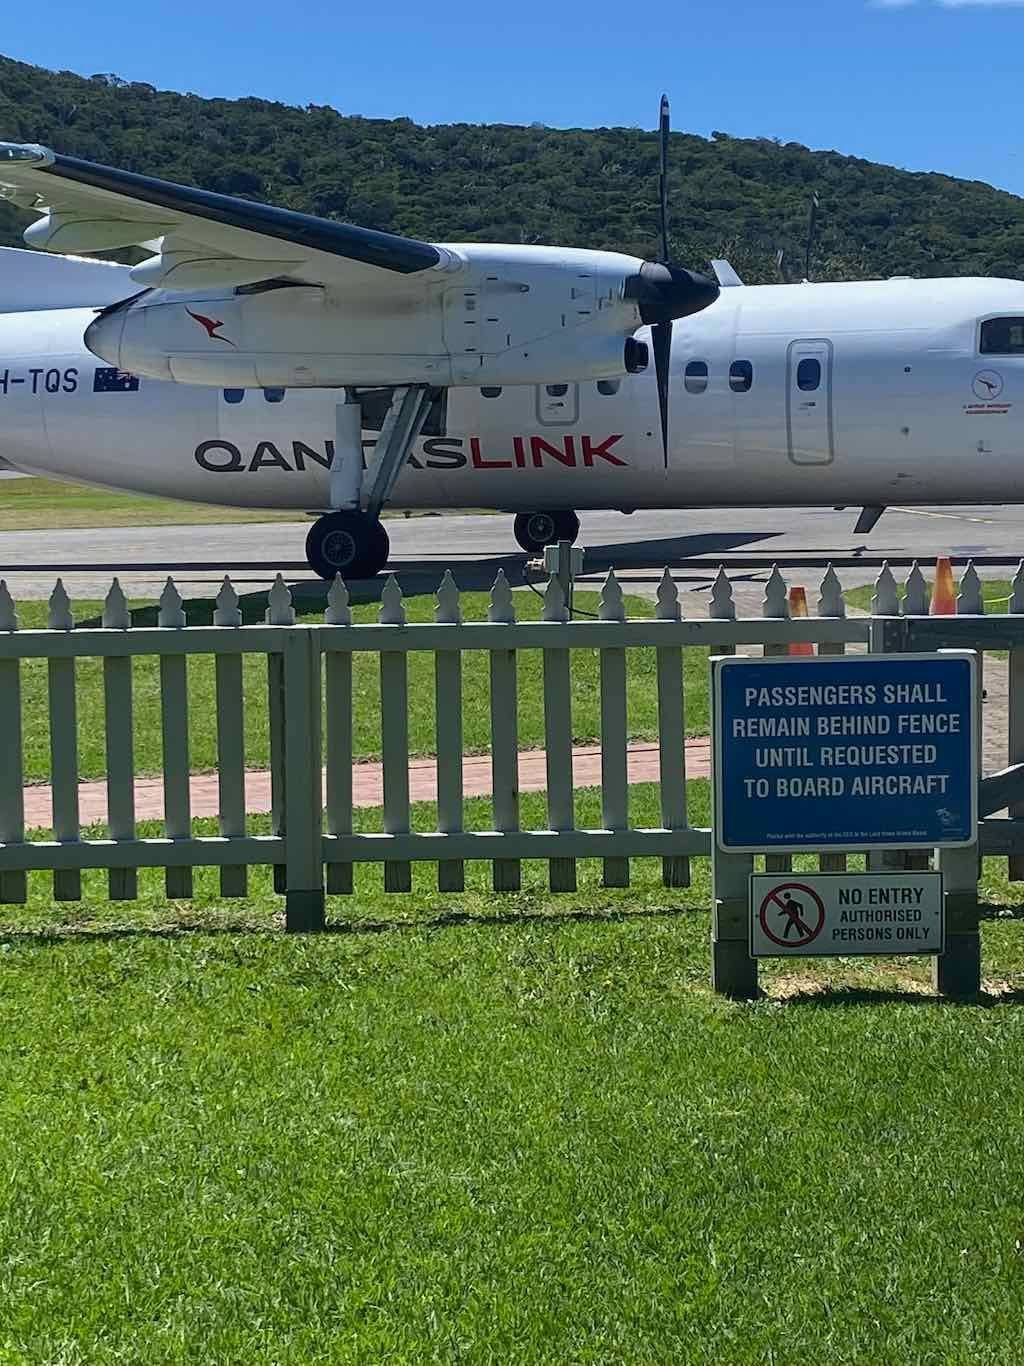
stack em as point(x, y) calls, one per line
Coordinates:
point(853, 753)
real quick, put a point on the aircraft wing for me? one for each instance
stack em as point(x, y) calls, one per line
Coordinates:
point(203, 239)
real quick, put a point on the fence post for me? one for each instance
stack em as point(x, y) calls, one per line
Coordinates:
point(304, 870)
point(776, 608)
point(957, 971)
point(733, 971)
point(1015, 738)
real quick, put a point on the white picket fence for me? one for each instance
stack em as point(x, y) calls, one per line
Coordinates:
point(310, 720)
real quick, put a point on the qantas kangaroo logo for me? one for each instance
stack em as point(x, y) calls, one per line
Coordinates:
point(211, 325)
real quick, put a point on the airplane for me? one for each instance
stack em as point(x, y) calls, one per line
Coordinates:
point(241, 295)
point(871, 393)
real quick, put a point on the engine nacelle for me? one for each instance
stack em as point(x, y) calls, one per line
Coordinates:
point(518, 319)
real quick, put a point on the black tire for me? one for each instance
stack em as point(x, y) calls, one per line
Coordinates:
point(535, 530)
point(347, 543)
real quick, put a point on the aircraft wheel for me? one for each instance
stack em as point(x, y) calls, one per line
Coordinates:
point(347, 543)
point(535, 530)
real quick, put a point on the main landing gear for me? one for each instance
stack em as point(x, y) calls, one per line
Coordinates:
point(350, 540)
point(535, 530)
point(347, 543)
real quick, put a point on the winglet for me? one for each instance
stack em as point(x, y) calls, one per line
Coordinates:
point(725, 275)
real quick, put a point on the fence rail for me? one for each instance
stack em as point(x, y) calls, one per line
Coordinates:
point(310, 711)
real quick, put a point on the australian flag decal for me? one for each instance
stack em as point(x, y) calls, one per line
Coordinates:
point(109, 380)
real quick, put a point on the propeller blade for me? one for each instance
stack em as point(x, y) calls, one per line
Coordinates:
point(663, 132)
point(661, 344)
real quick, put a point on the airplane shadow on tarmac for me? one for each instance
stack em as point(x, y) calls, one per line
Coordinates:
point(418, 577)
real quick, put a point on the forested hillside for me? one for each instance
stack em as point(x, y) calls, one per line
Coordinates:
point(742, 198)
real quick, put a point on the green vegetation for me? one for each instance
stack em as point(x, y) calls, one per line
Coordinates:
point(47, 504)
point(511, 1129)
point(995, 593)
point(33, 504)
point(743, 198)
point(642, 711)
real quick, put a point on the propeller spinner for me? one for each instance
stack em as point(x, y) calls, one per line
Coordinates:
point(664, 292)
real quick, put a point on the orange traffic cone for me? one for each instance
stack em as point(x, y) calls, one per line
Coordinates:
point(944, 595)
point(798, 608)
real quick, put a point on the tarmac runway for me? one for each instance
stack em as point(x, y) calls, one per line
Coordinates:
point(476, 546)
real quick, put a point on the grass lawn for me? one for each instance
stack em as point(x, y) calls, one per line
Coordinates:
point(35, 504)
point(642, 702)
point(496, 1130)
point(47, 504)
point(995, 594)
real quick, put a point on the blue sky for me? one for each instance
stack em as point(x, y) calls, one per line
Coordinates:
point(925, 84)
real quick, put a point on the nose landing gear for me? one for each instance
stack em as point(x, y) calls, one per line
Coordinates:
point(535, 530)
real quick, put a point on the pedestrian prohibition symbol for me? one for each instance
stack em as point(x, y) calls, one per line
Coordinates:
point(792, 915)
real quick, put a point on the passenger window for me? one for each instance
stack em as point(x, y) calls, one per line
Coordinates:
point(1002, 337)
point(808, 374)
point(607, 386)
point(695, 376)
point(741, 376)
point(491, 390)
point(274, 395)
point(234, 395)
point(556, 390)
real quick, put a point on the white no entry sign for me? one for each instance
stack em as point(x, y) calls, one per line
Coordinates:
point(845, 913)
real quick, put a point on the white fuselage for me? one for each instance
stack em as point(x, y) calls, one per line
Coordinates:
point(869, 393)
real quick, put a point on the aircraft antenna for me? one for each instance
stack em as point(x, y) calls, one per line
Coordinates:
point(812, 223)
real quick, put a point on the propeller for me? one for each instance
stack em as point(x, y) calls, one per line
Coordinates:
point(664, 292)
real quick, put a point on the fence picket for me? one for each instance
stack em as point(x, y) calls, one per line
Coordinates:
point(63, 714)
point(230, 706)
point(122, 883)
point(280, 612)
point(675, 869)
point(885, 601)
point(614, 777)
point(394, 737)
point(174, 727)
point(13, 885)
point(451, 874)
point(722, 606)
point(558, 735)
point(917, 597)
point(506, 874)
point(339, 738)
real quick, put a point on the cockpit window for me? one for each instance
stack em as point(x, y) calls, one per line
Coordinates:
point(1002, 337)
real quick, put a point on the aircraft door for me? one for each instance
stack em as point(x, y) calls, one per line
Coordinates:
point(558, 405)
point(809, 402)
